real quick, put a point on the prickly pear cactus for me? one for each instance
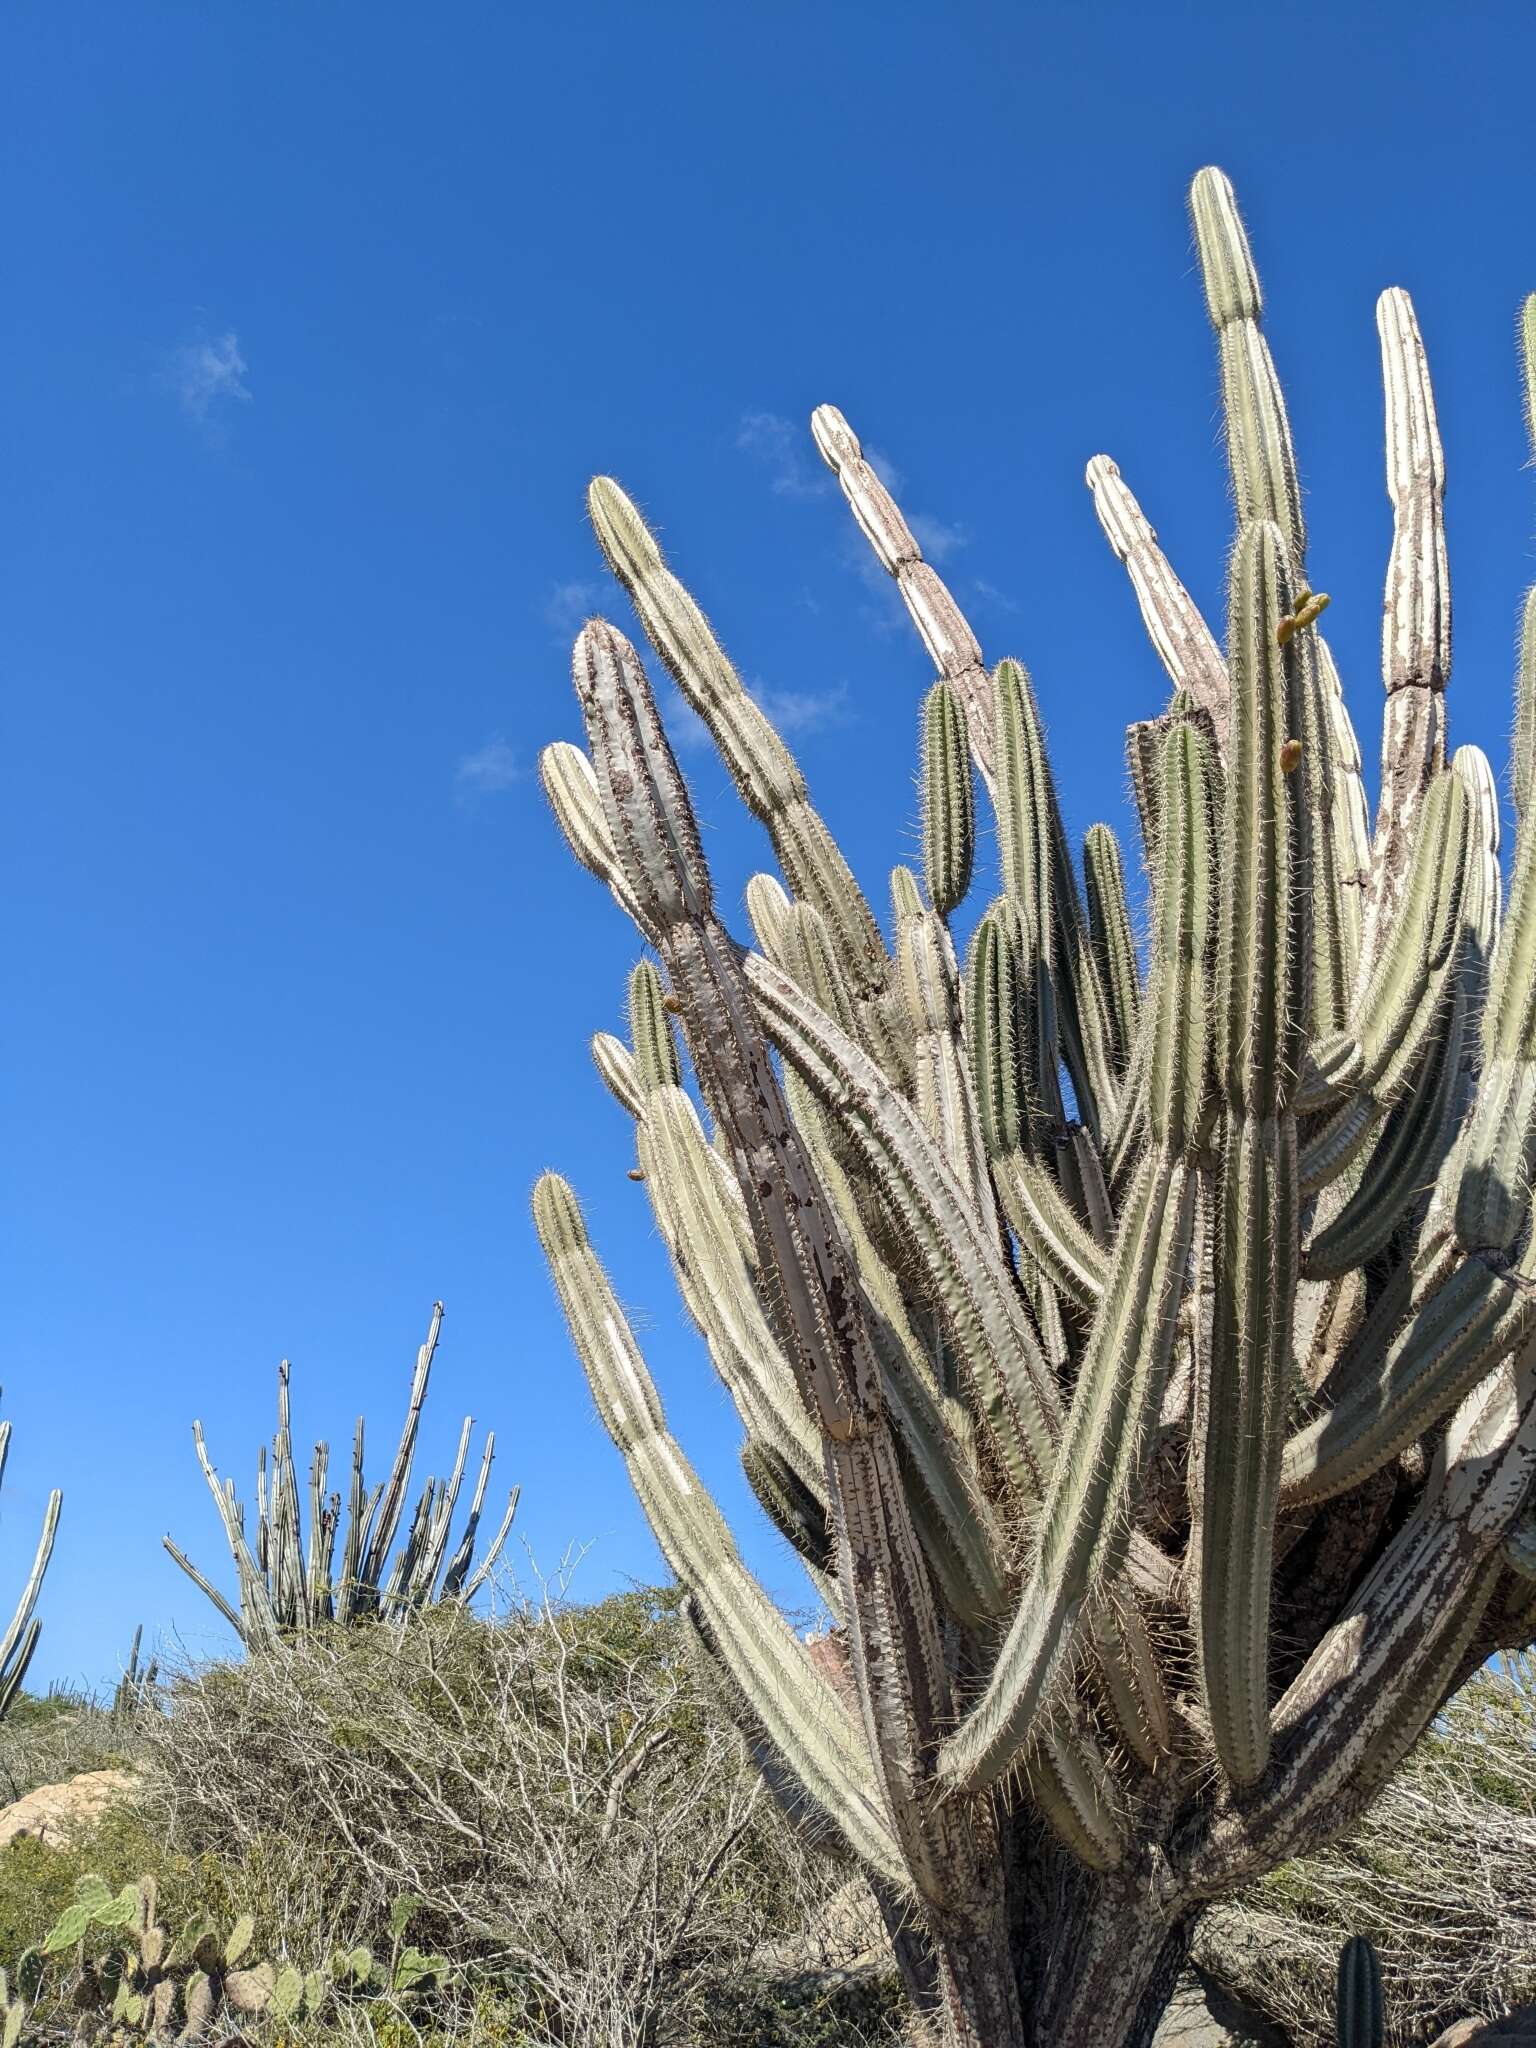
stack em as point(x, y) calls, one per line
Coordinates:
point(1137, 1345)
point(140, 1981)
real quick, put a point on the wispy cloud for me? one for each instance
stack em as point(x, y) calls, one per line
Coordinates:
point(783, 450)
point(489, 770)
point(796, 714)
point(207, 375)
point(991, 595)
point(936, 537)
point(568, 604)
point(803, 711)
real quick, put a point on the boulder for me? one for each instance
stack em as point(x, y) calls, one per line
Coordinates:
point(53, 1812)
point(1513, 2030)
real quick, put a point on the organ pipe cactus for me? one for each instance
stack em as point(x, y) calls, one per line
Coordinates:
point(1140, 1353)
point(20, 1638)
point(290, 1581)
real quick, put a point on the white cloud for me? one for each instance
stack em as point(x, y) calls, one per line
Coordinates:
point(803, 711)
point(491, 768)
point(206, 372)
point(936, 537)
point(781, 448)
point(885, 469)
point(569, 604)
point(796, 713)
point(990, 594)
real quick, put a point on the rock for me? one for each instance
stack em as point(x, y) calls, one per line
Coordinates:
point(54, 1812)
point(1514, 2030)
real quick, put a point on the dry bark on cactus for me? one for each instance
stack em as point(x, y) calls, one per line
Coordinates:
point(290, 1582)
point(1146, 1366)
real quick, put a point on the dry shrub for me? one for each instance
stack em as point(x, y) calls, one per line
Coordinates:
point(577, 1823)
point(1438, 1874)
point(45, 1740)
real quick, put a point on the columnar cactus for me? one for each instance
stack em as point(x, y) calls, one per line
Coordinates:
point(1142, 1357)
point(290, 1582)
point(19, 1640)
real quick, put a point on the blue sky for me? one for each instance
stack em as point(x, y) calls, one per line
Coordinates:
point(317, 321)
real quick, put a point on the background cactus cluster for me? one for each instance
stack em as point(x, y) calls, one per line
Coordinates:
point(1137, 1350)
point(290, 1582)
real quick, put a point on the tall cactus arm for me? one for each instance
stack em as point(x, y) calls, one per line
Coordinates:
point(1118, 1396)
point(949, 801)
point(1416, 617)
point(1379, 1674)
point(1260, 1018)
point(761, 765)
point(1333, 923)
point(955, 1521)
point(1103, 1450)
point(927, 980)
point(349, 1588)
point(615, 1063)
point(207, 1587)
point(260, 1622)
point(1497, 1158)
point(1404, 1161)
point(1184, 642)
point(656, 1064)
point(571, 788)
point(1049, 1229)
point(1389, 1399)
point(1109, 930)
point(458, 1565)
point(384, 1523)
point(939, 621)
point(1259, 448)
point(1409, 982)
point(717, 1284)
point(20, 1639)
point(1523, 751)
point(893, 1623)
point(969, 1277)
point(1038, 875)
point(805, 1722)
point(493, 1550)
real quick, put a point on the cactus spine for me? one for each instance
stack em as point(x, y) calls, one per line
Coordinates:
point(1144, 1365)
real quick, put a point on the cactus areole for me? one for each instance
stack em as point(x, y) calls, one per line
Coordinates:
point(1141, 1354)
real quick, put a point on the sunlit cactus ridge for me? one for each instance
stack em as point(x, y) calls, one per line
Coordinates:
point(1138, 1351)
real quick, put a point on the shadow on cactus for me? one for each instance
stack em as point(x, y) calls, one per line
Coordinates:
point(1139, 1354)
point(289, 1582)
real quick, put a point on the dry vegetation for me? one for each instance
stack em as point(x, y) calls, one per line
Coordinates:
point(577, 1826)
point(571, 1819)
